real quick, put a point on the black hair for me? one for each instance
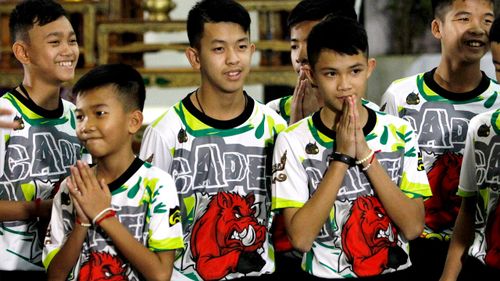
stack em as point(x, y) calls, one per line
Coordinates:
point(214, 11)
point(30, 12)
point(316, 10)
point(339, 34)
point(439, 7)
point(495, 31)
point(127, 81)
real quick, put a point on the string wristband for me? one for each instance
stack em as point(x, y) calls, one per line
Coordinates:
point(100, 214)
point(364, 169)
point(82, 223)
point(373, 156)
point(366, 158)
point(109, 214)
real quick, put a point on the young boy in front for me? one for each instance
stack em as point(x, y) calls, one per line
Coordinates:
point(439, 104)
point(217, 144)
point(479, 188)
point(347, 177)
point(119, 219)
point(302, 18)
point(35, 155)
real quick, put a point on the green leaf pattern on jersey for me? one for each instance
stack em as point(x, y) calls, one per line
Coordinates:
point(495, 121)
point(491, 100)
point(32, 118)
point(430, 95)
point(198, 129)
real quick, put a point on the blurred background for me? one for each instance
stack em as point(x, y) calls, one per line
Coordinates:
point(150, 35)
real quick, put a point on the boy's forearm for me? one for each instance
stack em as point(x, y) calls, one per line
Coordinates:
point(408, 214)
point(145, 261)
point(304, 224)
point(463, 235)
point(23, 210)
point(67, 257)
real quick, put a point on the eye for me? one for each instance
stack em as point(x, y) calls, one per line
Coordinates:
point(464, 19)
point(79, 117)
point(73, 41)
point(100, 113)
point(54, 42)
point(330, 74)
point(243, 46)
point(237, 215)
point(380, 215)
point(218, 49)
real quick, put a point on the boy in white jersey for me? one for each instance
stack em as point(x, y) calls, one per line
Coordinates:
point(439, 104)
point(120, 219)
point(347, 178)
point(36, 155)
point(479, 188)
point(303, 17)
point(217, 144)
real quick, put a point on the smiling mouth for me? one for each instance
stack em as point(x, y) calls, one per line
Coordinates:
point(474, 43)
point(65, 63)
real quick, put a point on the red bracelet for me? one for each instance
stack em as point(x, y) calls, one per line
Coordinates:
point(38, 202)
point(373, 156)
point(109, 214)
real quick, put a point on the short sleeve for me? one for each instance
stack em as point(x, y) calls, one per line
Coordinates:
point(388, 101)
point(289, 179)
point(61, 224)
point(468, 185)
point(155, 149)
point(165, 229)
point(414, 182)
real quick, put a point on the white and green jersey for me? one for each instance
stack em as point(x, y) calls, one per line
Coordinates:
point(146, 203)
point(440, 119)
point(221, 170)
point(34, 159)
point(283, 106)
point(358, 239)
point(480, 176)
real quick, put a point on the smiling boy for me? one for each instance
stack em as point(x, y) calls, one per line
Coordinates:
point(36, 155)
point(217, 144)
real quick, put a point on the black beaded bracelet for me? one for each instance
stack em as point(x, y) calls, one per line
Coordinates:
point(343, 158)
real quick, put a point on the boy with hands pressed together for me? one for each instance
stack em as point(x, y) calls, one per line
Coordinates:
point(126, 224)
point(347, 178)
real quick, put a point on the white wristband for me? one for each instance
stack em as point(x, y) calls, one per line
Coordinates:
point(100, 214)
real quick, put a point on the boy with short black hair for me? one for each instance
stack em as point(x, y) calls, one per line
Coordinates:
point(347, 178)
point(36, 155)
point(474, 246)
point(122, 214)
point(302, 18)
point(439, 104)
point(217, 144)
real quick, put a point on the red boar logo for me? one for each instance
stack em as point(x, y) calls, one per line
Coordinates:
point(493, 240)
point(102, 266)
point(442, 208)
point(369, 240)
point(226, 237)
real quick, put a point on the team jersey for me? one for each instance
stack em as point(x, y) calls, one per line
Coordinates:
point(358, 239)
point(221, 170)
point(480, 176)
point(33, 160)
point(283, 106)
point(146, 203)
point(440, 118)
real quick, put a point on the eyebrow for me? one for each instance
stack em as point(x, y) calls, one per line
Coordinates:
point(92, 107)
point(465, 13)
point(215, 41)
point(59, 33)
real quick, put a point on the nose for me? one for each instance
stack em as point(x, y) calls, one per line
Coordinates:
point(344, 83)
point(233, 57)
point(302, 56)
point(86, 126)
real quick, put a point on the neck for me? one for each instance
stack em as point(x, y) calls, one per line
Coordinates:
point(330, 118)
point(111, 168)
point(458, 78)
point(43, 94)
point(219, 106)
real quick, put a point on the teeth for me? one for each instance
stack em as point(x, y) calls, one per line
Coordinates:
point(474, 44)
point(234, 73)
point(249, 238)
point(65, 63)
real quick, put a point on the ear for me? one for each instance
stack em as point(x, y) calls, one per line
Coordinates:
point(135, 121)
point(252, 48)
point(193, 57)
point(436, 28)
point(309, 74)
point(20, 50)
point(372, 63)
